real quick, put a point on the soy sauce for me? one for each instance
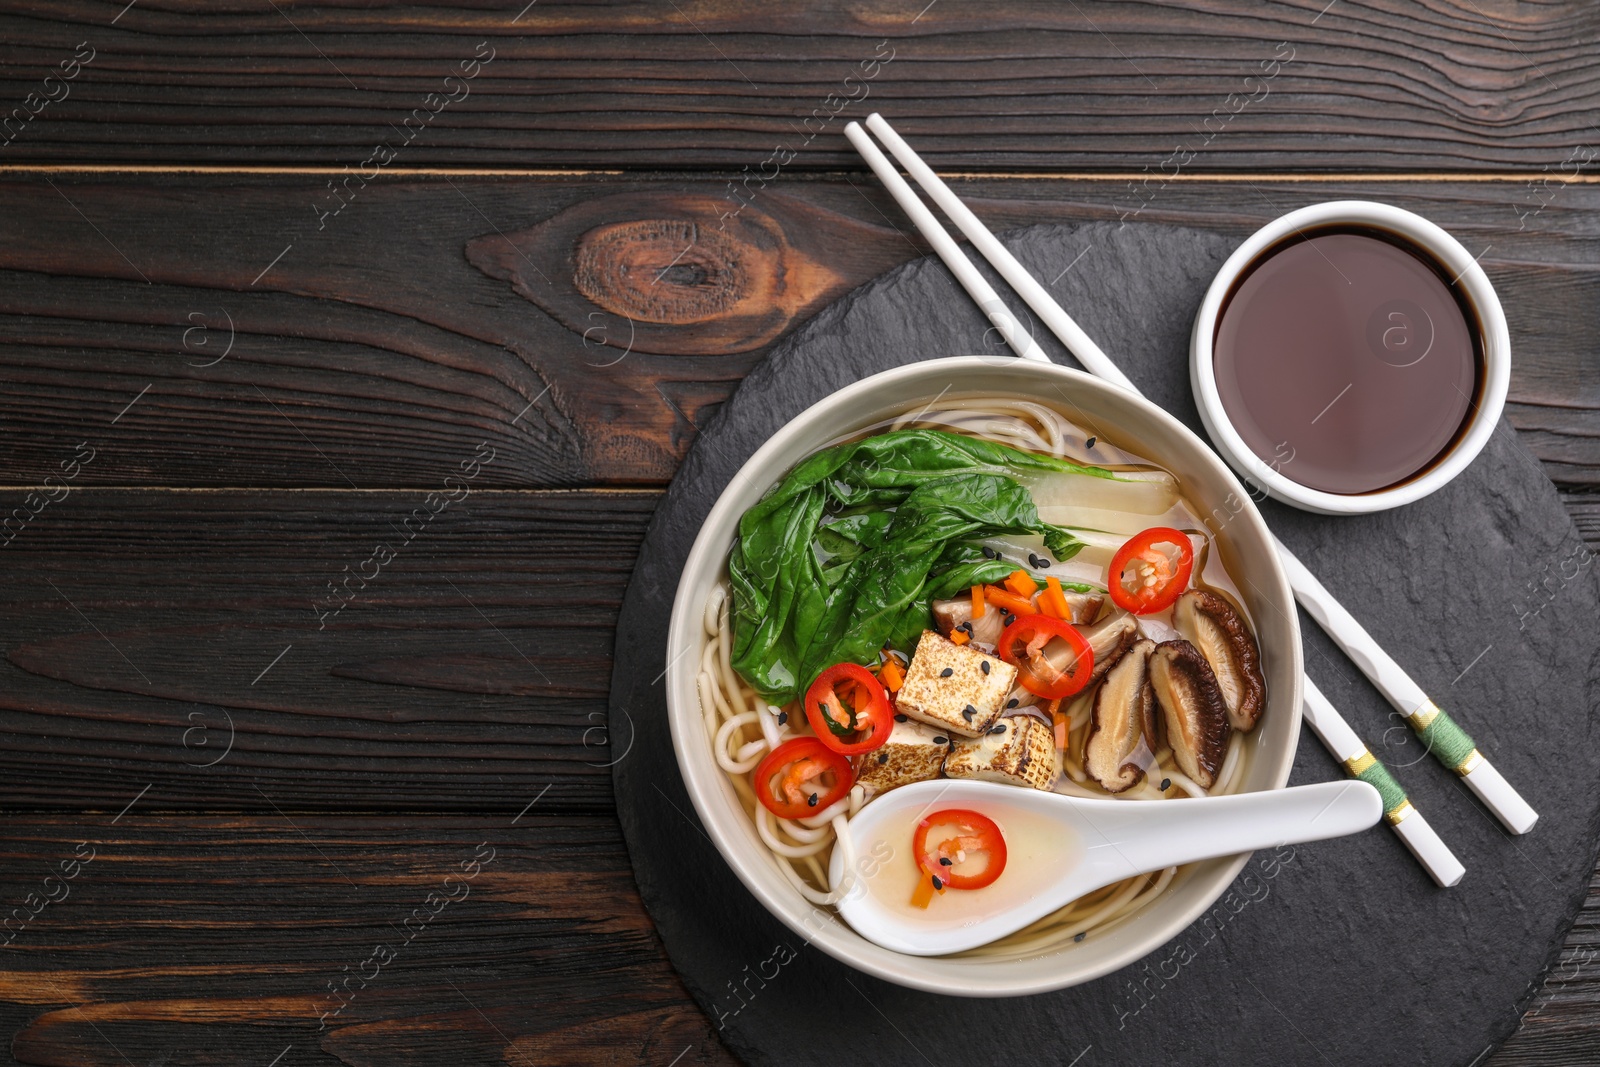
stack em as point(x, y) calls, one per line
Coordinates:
point(1347, 359)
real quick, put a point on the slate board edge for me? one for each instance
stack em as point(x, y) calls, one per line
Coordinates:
point(1581, 892)
point(627, 813)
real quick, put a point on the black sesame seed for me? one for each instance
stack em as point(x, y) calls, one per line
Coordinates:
point(1085, 934)
point(989, 553)
point(1035, 562)
point(946, 861)
point(965, 627)
point(811, 801)
point(968, 712)
point(998, 728)
point(1166, 784)
point(984, 666)
point(941, 740)
point(947, 672)
point(899, 718)
point(883, 757)
point(783, 717)
point(1009, 619)
point(1011, 703)
point(1090, 442)
point(936, 883)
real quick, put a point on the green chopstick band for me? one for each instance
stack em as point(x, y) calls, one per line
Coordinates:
point(1365, 766)
point(1448, 742)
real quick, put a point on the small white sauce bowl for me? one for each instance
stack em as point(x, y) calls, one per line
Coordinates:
point(1123, 419)
point(1457, 263)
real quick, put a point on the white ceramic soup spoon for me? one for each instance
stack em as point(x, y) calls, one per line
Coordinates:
point(1058, 849)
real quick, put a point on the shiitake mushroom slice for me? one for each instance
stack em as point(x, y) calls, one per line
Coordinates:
point(1122, 728)
point(1109, 639)
point(1192, 709)
point(1216, 628)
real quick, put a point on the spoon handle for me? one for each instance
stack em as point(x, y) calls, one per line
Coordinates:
point(1148, 837)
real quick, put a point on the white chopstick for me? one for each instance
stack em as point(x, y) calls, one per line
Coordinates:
point(980, 290)
point(1441, 735)
point(1358, 761)
point(1016, 275)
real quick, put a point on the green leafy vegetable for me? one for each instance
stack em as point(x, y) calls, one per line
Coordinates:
point(843, 556)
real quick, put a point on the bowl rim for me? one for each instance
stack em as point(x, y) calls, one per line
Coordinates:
point(1450, 254)
point(756, 869)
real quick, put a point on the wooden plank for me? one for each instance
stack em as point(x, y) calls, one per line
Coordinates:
point(318, 939)
point(1585, 509)
point(146, 630)
point(529, 313)
point(215, 939)
point(708, 83)
point(189, 643)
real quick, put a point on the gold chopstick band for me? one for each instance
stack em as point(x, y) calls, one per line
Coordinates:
point(1364, 766)
point(1447, 741)
point(1424, 714)
point(1358, 763)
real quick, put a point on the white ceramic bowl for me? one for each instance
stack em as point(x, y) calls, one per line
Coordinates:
point(1456, 261)
point(1123, 419)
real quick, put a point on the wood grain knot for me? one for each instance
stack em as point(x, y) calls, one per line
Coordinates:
point(661, 270)
point(674, 273)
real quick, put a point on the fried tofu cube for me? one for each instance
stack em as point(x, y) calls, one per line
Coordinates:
point(913, 753)
point(955, 688)
point(1018, 750)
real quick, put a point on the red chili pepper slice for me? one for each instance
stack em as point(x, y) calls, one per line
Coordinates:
point(1143, 578)
point(1043, 671)
point(801, 777)
point(848, 709)
point(964, 835)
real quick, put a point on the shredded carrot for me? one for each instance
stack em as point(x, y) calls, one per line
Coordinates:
point(891, 675)
point(922, 896)
point(1006, 600)
point(1061, 721)
point(1022, 583)
point(978, 604)
point(799, 775)
point(959, 637)
point(1054, 601)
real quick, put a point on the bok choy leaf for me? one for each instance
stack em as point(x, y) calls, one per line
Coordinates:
point(843, 556)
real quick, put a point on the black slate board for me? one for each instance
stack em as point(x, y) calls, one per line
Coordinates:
point(1337, 952)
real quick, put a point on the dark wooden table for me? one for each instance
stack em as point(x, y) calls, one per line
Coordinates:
point(347, 348)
